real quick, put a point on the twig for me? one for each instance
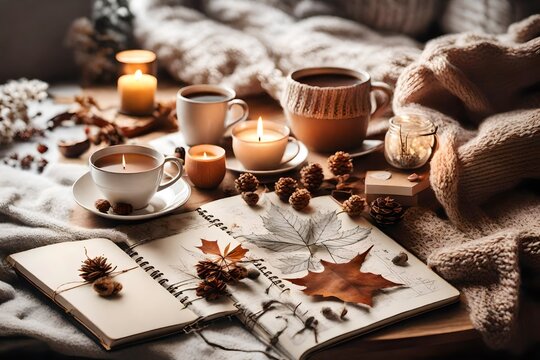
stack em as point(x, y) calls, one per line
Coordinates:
point(213, 344)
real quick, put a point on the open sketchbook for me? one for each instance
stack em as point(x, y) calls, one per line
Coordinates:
point(283, 244)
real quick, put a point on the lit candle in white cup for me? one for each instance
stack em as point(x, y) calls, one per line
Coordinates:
point(205, 165)
point(260, 145)
point(137, 93)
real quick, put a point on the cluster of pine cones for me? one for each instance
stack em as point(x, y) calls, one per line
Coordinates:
point(216, 277)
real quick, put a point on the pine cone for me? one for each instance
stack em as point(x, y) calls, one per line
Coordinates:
point(247, 182)
point(354, 205)
point(238, 273)
point(312, 176)
point(300, 199)
point(209, 269)
point(386, 211)
point(250, 198)
point(285, 187)
point(340, 163)
point(93, 269)
point(106, 286)
point(211, 289)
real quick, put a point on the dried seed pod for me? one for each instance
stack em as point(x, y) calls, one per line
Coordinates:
point(414, 177)
point(400, 259)
point(344, 312)
point(107, 286)
point(253, 273)
point(122, 209)
point(238, 273)
point(329, 313)
point(102, 205)
point(250, 198)
point(42, 148)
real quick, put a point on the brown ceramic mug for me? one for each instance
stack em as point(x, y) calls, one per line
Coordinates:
point(329, 108)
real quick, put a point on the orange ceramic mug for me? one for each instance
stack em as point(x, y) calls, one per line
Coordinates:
point(329, 108)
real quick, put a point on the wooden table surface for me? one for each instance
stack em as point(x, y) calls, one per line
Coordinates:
point(440, 333)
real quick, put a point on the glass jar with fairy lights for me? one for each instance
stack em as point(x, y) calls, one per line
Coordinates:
point(410, 141)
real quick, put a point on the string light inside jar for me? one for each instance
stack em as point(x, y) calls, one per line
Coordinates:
point(409, 141)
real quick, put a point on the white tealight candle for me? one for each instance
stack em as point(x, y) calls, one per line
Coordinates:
point(137, 93)
point(260, 145)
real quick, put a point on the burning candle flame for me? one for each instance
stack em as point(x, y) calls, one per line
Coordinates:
point(260, 128)
point(205, 155)
point(123, 161)
point(138, 74)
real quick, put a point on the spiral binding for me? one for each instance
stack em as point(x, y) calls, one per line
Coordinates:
point(157, 275)
point(275, 280)
point(174, 288)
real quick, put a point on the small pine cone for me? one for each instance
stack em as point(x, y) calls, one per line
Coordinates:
point(285, 187)
point(340, 163)
point(209, 269)
point(247, 182)
point(300, 199)
point(122, 209)
point(354, 205)
point(211, 289)
point(106, 286)
point(238, 273)
point(250, 198)
point(93, 269)
point(312, 177)
point(102, 205)
point(386, 211)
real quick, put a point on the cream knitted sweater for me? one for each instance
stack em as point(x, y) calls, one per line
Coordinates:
point(488, 84)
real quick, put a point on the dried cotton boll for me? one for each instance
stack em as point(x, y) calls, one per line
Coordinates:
point(107, 286)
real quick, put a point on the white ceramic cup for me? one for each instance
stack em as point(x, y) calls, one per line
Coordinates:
point(205, 122)
point(135, 188)
point(265, 155)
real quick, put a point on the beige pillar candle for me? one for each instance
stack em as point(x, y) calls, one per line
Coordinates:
point(205, 165)
point(137, 93)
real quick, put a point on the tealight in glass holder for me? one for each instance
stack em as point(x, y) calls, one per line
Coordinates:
point(410, 141)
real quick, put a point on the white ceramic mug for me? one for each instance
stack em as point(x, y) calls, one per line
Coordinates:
point(263, 155)
point(205, 120)
point(135, 188)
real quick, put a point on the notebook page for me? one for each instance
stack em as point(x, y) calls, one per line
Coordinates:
point(142, 307)
point(422, 290)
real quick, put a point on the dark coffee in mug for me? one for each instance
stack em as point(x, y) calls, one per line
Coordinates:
point(330, 80)
point(207, 96)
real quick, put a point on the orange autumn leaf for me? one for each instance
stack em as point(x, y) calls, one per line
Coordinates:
point(211, 247)
point(344, 281)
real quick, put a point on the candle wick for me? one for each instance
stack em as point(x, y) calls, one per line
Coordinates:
point(259, 139)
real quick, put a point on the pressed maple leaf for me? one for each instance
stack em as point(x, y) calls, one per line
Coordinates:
point(299, 238)
point(211, 247)
point(344, 281)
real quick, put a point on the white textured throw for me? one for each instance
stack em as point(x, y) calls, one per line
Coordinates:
point(35, 211)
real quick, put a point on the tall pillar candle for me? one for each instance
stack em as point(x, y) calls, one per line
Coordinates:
point(137, 93)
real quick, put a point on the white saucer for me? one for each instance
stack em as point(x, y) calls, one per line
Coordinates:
point(234, 165)
point(86, 193)
point(367, 147)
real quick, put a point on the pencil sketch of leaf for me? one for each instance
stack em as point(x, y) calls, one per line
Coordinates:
point(287, 232)
point(291, 264)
